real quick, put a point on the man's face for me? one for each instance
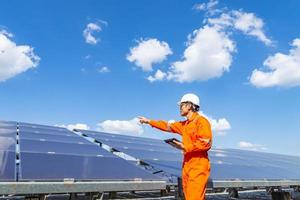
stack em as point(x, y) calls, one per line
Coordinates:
point(184, 108)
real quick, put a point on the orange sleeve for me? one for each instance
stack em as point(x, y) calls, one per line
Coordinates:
point(202, 141)
point(175, 127)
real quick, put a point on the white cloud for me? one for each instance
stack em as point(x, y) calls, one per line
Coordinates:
point(75, 126)
point(14, 59)
point(283, 69)
point(149, 52)
point(131, 127)
point(208, 55)
point(223, 21)
point(159, 76)
point(4, 32)
point(209, 7)
point(200, 6)
point(248, 23)
point(103, 69)
point(219, 126)
point(209, 49)
point(250, 146)
point(88, 32)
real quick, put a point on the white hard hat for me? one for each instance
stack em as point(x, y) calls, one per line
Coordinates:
point(191, 98)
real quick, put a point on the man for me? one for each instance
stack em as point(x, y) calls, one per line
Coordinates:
point(196, 141)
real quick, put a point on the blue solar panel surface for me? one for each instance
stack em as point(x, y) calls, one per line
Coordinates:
point(43, 130)
point(62, 148)
point(52, 153)
point(153, 155)
point(241, 164)
point(139, 148)
point(169, 166)
point(225, 163)
point(53, 137)
point(8, 133)
point(136, 145)
point(7, 165)
point(39, 126)
point(41, 166)
point(118, 137)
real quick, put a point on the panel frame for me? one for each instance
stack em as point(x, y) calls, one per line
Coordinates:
point(79, 187)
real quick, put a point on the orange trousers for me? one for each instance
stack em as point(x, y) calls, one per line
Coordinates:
point(195, 174)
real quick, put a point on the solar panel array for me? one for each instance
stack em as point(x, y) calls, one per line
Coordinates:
point(31, 152)
point(226, 164)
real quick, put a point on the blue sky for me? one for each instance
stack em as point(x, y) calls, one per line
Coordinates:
point(100, 64)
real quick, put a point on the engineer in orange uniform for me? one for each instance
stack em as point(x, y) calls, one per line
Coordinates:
point(196, 141)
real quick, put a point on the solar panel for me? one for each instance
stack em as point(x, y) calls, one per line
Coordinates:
point(259, 158)
point(141, 150)
point(233, 163)
point(152, 155)
point(225, 163)
point(252, 172)
point(29, 125)
point(53, 137)
point(45, 130)
point(171, 167)
point(225, 168)
point(135, 145)
point(43, 166)
point(223, 171)
point(7, 165)
point(133, 139)
point(62, 148)
point(51, 153)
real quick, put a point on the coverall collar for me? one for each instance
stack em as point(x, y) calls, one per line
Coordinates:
point(195, 114)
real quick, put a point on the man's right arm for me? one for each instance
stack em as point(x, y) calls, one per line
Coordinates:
point(175, 127)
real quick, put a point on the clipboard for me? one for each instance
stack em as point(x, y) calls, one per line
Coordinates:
point(172, 143)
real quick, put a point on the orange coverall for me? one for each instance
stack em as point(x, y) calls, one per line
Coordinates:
point(197, 140)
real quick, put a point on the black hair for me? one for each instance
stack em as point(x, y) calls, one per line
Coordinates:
point(194, 108)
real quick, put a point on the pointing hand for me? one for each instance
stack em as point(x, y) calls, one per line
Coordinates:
point(144, 120)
